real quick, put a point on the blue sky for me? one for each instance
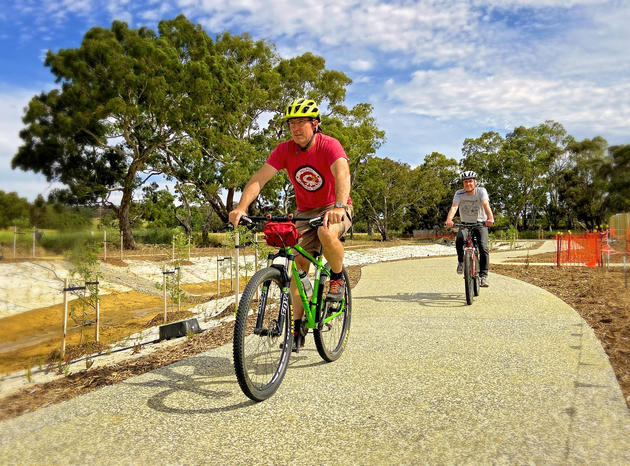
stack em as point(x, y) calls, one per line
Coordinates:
point(436, 71)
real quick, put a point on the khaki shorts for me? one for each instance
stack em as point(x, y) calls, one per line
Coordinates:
point(309, 240)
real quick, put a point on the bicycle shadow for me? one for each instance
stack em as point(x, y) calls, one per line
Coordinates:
point(424, 299)
point(297, 360)
point(212, 377)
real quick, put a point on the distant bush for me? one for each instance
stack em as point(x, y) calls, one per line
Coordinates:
point(154, 236)
point(59, 242)
point(214, 240)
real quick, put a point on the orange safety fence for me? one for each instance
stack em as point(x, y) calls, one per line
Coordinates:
point(583, 249)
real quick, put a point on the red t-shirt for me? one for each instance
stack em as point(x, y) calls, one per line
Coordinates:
point(309, 171)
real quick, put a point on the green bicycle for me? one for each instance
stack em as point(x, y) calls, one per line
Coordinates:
point(263, 330)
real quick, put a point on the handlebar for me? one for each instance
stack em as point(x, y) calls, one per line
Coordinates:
point(469, 225)
point(251, 221)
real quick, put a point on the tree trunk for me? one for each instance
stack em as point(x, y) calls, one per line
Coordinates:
point(186, 219)
point(123, 221)
point(229, 201)
point(206, 229)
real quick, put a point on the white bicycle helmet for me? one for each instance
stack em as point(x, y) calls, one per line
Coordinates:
point(467, 175)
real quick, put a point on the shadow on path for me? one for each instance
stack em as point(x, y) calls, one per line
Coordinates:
point(204, 382)
point(424, 299)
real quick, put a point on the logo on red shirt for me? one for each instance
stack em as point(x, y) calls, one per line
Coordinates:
point(309, 178)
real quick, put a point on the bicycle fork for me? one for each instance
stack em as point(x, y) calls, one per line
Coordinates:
point(276, 329)
point(471, 250)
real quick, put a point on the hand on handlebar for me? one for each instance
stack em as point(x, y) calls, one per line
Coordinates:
point(489, 223)
point(235, 216)
point(449, 223)
point(333, 216)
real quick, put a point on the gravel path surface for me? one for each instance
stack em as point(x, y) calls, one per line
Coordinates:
point(518, 377)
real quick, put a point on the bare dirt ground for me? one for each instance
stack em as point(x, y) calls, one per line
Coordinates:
point(599, 296)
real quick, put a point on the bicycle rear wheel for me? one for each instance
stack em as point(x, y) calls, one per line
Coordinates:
point(468, 278)
point(331, 337)
point(262, 335)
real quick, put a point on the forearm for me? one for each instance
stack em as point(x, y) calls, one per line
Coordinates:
point(342, 191)
point(451, 213)
point(488, 210)
point(341, 172)
point(250, 192)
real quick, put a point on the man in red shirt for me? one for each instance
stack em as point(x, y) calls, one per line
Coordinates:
point(318, 168)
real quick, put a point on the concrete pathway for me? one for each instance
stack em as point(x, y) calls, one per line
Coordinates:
point(518, 377)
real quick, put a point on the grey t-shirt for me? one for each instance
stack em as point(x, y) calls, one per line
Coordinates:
point(470, 208)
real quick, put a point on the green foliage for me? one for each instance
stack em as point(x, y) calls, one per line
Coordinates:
point(14, 210)
point(437, 180)
point(157, 208)
point(386, 189)
point(620, 179)
point(155, 236)
point(60, 242)
point(583, 185)
point(57, 216)
point(120, 84)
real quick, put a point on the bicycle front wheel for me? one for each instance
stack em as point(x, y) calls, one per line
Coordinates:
point(331, 337)
point(262, 335)
point(468, 278)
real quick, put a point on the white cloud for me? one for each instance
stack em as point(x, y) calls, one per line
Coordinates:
point(537, 3)
point(13, 103)
point(506, 100)
point(27, 185)
point(482, 62)
point(360, 65)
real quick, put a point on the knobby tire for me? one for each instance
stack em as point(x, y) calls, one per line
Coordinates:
point(331, 339)
point(261, 361)
point(468, 278)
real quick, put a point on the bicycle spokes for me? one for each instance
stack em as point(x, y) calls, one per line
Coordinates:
point(262, 337)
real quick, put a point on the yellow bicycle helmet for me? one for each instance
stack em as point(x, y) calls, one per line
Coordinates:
point(302, 108)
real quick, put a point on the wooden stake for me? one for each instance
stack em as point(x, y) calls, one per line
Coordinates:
point(164, 289)
point(65, 317)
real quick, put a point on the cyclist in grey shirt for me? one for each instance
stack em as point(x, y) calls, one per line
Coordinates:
point(474, 207)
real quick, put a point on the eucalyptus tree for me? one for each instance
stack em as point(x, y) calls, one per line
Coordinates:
point(124, 98)
point(389, 189)
point(233, 143)
point(483, 155)
point(620, 179)
point(156, 207)
point(585, 185)
point(437, 181)
point(14, 210)
point(515, 170)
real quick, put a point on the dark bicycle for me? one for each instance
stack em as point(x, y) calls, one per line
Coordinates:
point(471, 260)
point(263, 331)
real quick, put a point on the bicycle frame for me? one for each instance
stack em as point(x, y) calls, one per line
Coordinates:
point(310, 307)
point(471, 247)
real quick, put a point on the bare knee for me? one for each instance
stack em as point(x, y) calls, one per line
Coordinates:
point(328, 236)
